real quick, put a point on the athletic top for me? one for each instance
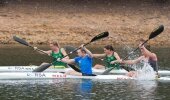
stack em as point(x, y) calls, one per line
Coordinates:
point(153, 64)
point(109, 59)
point(55, 57)
point(85, 64)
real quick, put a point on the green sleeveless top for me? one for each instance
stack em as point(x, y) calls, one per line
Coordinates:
point(109, 59)
point(58, 64)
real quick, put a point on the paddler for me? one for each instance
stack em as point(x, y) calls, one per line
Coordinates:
point(56, 52)
point(146, 56)
point(111, 58)
point(84, 60)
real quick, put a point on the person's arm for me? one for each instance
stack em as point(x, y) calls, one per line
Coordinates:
point(132, 61)
point(99, 55)
point(118, 60)
point(40, 51)
point(87, 51)
point(68, 61)
point(150, 54)
point(91, 54)
point(64, 53)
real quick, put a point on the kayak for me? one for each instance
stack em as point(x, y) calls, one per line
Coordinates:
point(45, 75)
point(95, 71)
point(51, 69)
point(29, 69)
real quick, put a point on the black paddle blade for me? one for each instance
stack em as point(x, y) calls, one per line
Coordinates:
point(21, 41)
point(75, 68)
point(107, 71)
point(127, 68)
point(156, 32)
point(100, 36)
point(42, 68)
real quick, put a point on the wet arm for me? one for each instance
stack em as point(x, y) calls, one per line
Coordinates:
point(88, 52)
point(132, 61)
point(42, 51)
point(68, 61)
point(150, 54)
point(99, 55)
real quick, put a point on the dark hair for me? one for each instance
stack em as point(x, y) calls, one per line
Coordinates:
point(109, 47)
point(82, 50)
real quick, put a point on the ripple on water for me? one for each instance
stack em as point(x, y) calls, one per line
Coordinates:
point(83, 89)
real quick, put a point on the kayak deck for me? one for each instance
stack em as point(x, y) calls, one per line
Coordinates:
point(37, 75)
point(95, 71)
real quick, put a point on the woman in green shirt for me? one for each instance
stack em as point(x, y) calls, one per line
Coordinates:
point(111, 58)
point(56, 52)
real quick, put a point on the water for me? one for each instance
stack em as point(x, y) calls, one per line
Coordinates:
point(77, 89)
point(83, 89)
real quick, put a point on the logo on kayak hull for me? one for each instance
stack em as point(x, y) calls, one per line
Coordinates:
point(38, 75)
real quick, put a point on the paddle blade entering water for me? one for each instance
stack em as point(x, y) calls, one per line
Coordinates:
point(100, 36)
point(21, 41)
point(74, 67)
point(127, 68)
point(42, 68)
point(107, 71)
point(156, 32)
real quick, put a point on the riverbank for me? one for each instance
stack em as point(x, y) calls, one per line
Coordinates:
point(77, 21)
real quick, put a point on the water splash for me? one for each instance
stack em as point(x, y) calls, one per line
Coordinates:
point(145, 72)
point(134, 55)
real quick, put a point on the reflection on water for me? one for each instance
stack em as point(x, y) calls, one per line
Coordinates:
point(46, 89)
point(143, 89)
point(83, 89)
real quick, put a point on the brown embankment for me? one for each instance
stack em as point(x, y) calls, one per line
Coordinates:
point(77, 21)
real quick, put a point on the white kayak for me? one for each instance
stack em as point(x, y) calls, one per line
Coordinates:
point(31, 68)
point(95, 71)
point(37, 75)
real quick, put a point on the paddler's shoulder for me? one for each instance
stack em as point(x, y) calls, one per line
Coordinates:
point(115, 53)
point(153, 57)
point(62, 49)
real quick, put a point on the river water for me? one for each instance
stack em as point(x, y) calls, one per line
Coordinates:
point(78, 89)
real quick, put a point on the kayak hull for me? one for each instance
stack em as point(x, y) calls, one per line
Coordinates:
point(37, 75)
point(95, 71)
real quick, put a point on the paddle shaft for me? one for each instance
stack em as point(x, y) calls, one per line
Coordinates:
point(75, 50)
point(38, 50)
point(102, 35)
point(126, 68)
point(135, 49)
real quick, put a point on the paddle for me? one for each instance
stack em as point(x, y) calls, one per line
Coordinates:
point(21, 41)
point(45, 66)
point(99, 36)
point(153, 34)
point(124, 67)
